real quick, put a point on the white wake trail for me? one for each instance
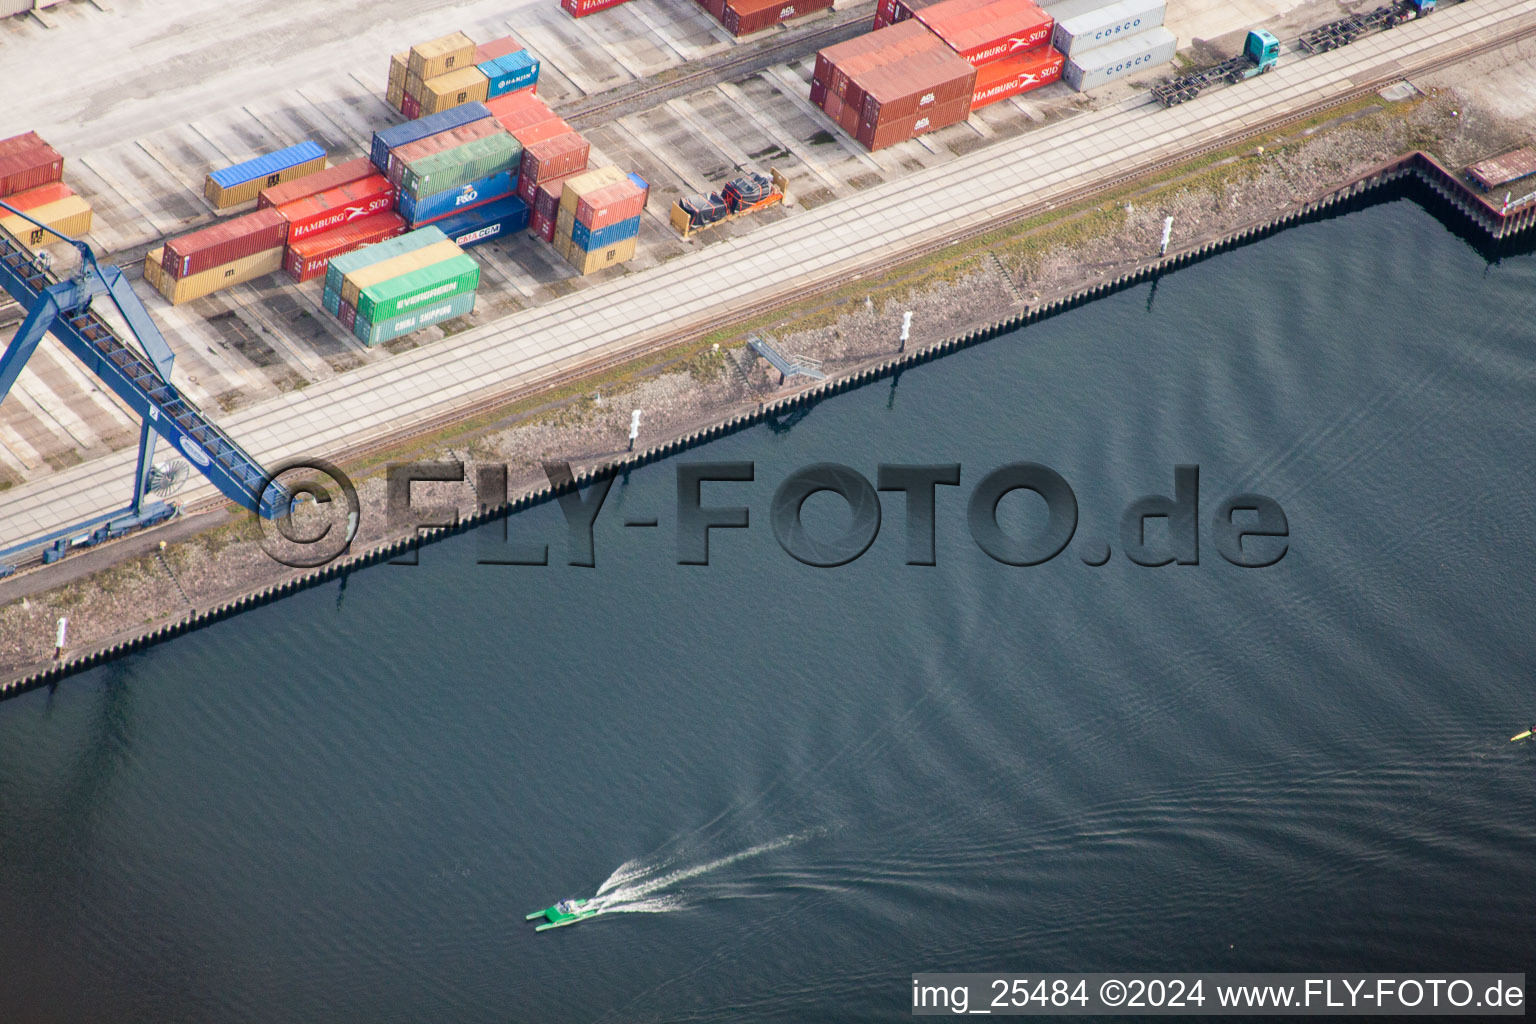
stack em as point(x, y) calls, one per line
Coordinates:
point(635, 886)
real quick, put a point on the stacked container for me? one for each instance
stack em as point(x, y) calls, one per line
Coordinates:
point(309, 258)
point(743, 17)
point(388, 290)
point(411, 72)
point(31, 180)
point(336, 207)
point(1104, 42)
point(982, 31)
point(582, 8)
point(314, 184)
point(890, 85)
point(231, 186)
point(598, 222)
point(227, 253)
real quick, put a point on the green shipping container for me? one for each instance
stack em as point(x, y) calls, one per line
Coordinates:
point(344, 264)
point(456, 167)
point(432, 313)
point(409, 292)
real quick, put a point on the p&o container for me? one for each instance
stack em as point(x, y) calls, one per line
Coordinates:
point(1082, 25)
point(466, 197)
point(225, 242)
point(240, 183)
point(1127, 56)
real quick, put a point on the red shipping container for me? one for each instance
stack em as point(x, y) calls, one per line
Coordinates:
point(818, 92)
point(496, 48)
point(308, 259)
point(40, 196)
point(317, 214)
point(610, 204)
point(23, 143)
point(225, 242)
point(546, 196)
point(314, 184)
point(715, 9)
point(542, 225)
point(743, 17)
point(888, 133)
point(399, 158)
point(25, 168)
point(348, 314)
point(915, 85)
point(410, 106)
point(1013, 75)
point(551, 158)
point(986, 30)
point(547, 129)
point(518, 110)
point(582, 8)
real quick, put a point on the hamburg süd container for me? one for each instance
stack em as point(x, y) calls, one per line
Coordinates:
point(177, 290)
point(1013, 75)
point(354, 281)
point(314, 184)
point(454, 168)
point(240, 183)
point(986, 30)
point(551, 158)
point(483, 223)
point(421, 148)
point(316, 214)
point(743, 17)
point(410, 292)
point(372, 334)
point(225, 242)
point(68, 215)
point(369, 255)
point(1082, 25)
point(511, 72)
point(441, 55)
point(444, 204)
point(454, 89)
point(308, 259)
point(387, 139)
point(1126, 56)
point(582, 8)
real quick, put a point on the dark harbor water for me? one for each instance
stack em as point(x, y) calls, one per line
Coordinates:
point(795, 787)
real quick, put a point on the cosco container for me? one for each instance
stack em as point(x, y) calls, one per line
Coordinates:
point(1104, 64)
point(515, 71)
point(225, 275)
point(403, 134)
point(483, 223)
point(743, 17)
point(225, 242)
point(1013, 75)
point(411, 292)
point(396, 266)
point(454, 89)
point(369, 255)
point(440, 56)
point(586, 238)
point(69, 215)
point(314, 215)
point(314, 184)
point(308, 259)
point(372, 334)
point(231, 186)
point(582, 8)
point(1082, 25)
point(29, 163)
point(454, 168)
point(442, 204)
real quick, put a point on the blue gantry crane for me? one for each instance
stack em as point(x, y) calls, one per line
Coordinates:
point(142, 380)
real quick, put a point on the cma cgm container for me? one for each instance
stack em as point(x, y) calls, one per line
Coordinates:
point(454, 168)
point(353, 284)
point(743, 17)
point(551, 158)
point(66, 215)
point(440, 56)
point(410, 292)
point(443, 204)
point(986, 30)
point(411, 131)
point(1127, 56)
point(314, 215)
point(231, 186)
point(226, 275)
point(28, 162)
point(582, 8)
point(483, 223)
point(308, 259)
point(314, 184)
point(341, 266)
point(1082, 25)
point(372, 334)
point(1013, 75)
point(400, 156)
point(225, 242)
point(510, 73)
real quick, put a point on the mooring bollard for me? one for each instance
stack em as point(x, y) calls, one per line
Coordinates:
point(906, 329)
point(634, 428)
point(1167, 234)
point(58, 645)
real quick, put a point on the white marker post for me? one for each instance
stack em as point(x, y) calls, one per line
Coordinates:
point(58, 645)
point(1167, 234)
point(634, 428)
point(906, 329)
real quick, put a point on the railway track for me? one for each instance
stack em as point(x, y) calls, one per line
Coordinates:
point(893, 260)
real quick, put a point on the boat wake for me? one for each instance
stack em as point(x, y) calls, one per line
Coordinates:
point(667, 884)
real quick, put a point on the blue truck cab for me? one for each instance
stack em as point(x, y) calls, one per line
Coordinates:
point(1263, 49)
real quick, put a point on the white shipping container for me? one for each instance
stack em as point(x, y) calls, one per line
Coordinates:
point(10, 7)
point(1127, 56)
point(1083, 25)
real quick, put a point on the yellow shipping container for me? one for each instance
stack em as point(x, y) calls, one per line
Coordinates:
point(154, 273)
point(565, 224)
point(456, 88)
point(223, 198)
point(388, 270)
point(579, 185)
point(70, 216)
point(194, 286)
point(413, 86)
point(395, 97)
point(448, 53)
point(591, 262)
point(397, 69)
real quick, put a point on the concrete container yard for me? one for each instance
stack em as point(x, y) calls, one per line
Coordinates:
point(139, 146)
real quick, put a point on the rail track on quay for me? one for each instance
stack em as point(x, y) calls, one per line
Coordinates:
point(1391, 72)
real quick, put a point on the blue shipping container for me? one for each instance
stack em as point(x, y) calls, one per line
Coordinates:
point(411, 131)
point(483, 223)
point(261, 166)
point(443, 204)
point(331, 300)
point(586, 239)
point(510, 73)
point(388, 330)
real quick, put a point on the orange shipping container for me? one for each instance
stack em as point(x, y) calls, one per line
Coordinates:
point(1013, 75)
